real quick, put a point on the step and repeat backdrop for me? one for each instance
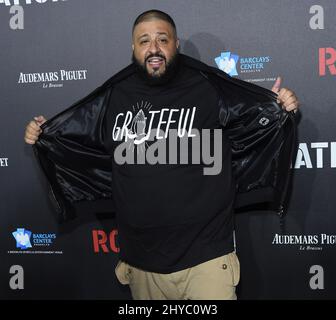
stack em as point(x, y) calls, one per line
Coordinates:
point(54, 52)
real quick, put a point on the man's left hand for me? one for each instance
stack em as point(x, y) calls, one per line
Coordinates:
point(286, 97)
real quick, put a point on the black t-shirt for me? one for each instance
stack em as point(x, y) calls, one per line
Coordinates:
point(170, 215)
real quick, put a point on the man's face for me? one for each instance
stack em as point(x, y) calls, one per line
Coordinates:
point(154, 46)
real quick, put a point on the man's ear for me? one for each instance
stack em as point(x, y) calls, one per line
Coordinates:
point(177, 43)
point(132, 46)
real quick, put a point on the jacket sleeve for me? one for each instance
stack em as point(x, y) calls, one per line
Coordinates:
point(262, 139)
point(71, 153)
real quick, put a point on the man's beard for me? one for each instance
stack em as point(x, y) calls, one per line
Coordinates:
point(171, 69)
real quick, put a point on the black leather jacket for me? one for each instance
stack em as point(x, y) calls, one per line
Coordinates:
point(72, 154)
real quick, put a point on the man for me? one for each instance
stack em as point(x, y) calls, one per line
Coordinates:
point(175, 221)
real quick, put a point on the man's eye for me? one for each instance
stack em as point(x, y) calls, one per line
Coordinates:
point(143, 41)
point(163, 40)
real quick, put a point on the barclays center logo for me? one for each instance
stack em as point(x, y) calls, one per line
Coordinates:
point(22, 237)
point(233, 64)
point(227, 62)
point(25, 239)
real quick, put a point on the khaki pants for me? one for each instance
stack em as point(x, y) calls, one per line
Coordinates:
point(215, 279)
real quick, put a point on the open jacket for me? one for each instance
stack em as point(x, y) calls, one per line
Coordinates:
point(73, 157)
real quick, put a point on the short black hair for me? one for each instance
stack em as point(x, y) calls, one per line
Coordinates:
point(154, 14)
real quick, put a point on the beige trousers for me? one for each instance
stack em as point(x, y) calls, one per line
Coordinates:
point(215, 279)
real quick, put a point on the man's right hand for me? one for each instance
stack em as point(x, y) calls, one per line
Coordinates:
point(33, 129)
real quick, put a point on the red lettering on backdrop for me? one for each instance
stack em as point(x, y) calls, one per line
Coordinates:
point(100, 238)
point(327, 58)
point(113, 238)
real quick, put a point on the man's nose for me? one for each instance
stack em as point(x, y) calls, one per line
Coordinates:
point(154, 47)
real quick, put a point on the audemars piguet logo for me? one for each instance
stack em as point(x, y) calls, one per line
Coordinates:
point(305, 241)
point(52, 79)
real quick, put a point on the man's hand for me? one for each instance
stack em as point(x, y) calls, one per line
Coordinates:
point(33, 129)
point(286, 97)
